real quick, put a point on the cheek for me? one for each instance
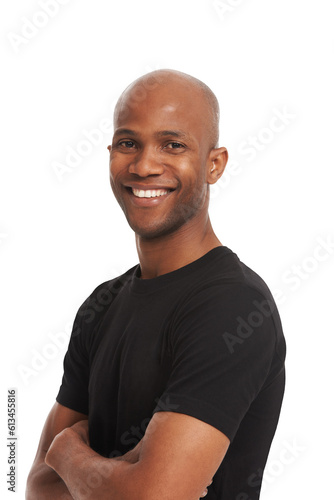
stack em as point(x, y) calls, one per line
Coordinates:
point(193, 178)
point(114, 173)
point(198, 188)
point(115, 187)
point(112, 178)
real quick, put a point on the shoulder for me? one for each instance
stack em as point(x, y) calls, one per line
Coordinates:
point(105, 293)
point(95, 306)
point(223, 269)
point(235, 288)
point(229, 308)
point(218, 302)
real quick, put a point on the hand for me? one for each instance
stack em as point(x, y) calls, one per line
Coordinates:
point(205, 492)
point(131, 456)
point(64, 443)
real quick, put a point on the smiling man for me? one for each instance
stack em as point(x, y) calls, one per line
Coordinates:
point(174, 376)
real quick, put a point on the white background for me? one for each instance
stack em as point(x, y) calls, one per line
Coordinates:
point(60, 236)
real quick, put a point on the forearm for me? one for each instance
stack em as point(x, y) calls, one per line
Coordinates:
point(44, 483)
point(88, 475)
point(140, 474)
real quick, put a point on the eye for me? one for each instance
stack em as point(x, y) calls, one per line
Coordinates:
point(174, 145)
point(126, 144)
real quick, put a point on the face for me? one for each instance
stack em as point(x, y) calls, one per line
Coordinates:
point(159, 160)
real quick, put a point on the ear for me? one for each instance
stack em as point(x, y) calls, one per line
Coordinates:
point(216, 164)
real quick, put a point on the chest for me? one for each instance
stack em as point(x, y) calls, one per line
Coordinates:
point(131, 347)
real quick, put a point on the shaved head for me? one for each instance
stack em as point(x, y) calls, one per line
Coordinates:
point(165, 146)
point(137, 91)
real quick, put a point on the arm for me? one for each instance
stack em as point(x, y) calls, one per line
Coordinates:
point(43, 482)
point(177, 458)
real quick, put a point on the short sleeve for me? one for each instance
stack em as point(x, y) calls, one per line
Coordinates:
point(222, 343)
point(73, 392)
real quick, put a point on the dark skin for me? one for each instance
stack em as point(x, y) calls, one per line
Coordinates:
point(161, 141)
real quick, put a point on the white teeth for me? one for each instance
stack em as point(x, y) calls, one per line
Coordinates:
point(149, 193)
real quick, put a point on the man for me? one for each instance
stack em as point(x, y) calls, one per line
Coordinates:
point(177, 366)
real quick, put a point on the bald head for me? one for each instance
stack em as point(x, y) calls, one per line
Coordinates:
point(175, 81)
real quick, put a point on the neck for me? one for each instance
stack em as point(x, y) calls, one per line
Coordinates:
point(163, 255)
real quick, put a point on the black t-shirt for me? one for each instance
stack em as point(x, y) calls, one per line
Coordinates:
point(205, 340)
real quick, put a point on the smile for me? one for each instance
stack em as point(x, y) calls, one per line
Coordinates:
point(149, 193)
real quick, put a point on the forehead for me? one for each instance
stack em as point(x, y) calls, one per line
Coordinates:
point(166, 107)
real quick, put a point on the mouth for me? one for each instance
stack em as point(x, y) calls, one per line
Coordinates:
point(149, 193)
point(148, 197)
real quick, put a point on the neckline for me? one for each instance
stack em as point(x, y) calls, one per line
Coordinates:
point(153, 284)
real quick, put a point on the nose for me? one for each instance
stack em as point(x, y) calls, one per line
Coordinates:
point(146, 163)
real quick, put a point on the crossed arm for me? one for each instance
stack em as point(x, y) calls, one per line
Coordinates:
point(176, 458)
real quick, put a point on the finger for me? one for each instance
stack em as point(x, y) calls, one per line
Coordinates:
point(205, 492)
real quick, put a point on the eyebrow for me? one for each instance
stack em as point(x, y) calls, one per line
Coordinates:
point(173, 133)
point(125, 131)
point(163, 133)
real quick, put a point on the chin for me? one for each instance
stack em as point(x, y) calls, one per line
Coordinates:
point(154, 231)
